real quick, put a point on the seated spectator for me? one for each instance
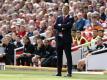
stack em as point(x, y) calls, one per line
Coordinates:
point(28, 6)
point(101, 33)
point(50, 57)
point(80, 23)
point(74, 40)
point(22, 31)
point(9, 51)
point(102, 13)
point(31, 29)
point(42, 27)
point(88, 20)
point(25, 58)
point(80, 39)
point(2, 53)
point(73, 35)
point(40, 53)
point(18, 42)
point(100, 45)
point(95, 24)
point(94, 39)
point(1, 36)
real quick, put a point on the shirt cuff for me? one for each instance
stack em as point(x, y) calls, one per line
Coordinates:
point(59, 24)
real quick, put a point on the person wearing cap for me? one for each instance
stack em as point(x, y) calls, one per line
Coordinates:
point(63, 38)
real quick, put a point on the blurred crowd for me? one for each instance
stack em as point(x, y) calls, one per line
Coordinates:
point(22, 19)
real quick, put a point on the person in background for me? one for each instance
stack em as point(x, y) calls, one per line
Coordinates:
point(88, 20)
point(80, 39)
point(80, 23)
point(74, 38)
point(39, 52)
point(94, 39)
point(101, 33)
point(30, 31)
point(2, 53)
point(102, 13)
point(9, 51)
point(25, 58)
point(18, 42)
point(95, 24)
point(50, 57)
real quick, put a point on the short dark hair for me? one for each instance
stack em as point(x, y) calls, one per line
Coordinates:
point(95, 30)
point(101, 30)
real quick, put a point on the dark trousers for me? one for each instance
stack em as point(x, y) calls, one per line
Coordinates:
point(66, 1)
point(49, 62)
point(24, 60)
point(67, 49)
point(9, 59)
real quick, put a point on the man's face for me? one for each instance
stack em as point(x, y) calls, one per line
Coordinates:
point(99, 42)
point(95, 33)
point(5, 41)
point(30, 5)
point(79, 16)
point(100, 33)
point(39, 42)
point(17, 6)
point(94, 20)
point(46, 42)
point(78, 34)
point(65, 10)
point(73, 33)
point(17, 39)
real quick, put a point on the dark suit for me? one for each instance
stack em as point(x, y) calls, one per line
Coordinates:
point(9, 57)
point(63, 41)
point(66, 1)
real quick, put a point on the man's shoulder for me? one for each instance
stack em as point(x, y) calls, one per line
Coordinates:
point(70, 16)
point(105, 45)
point(59, 16)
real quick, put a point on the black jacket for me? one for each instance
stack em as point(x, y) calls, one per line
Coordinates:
point(29, 48)
point(9, 49)
point(50, 51)
point(65, 28)
point(40, 51)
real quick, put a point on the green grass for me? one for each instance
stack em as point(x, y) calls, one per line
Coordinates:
point(43, 75)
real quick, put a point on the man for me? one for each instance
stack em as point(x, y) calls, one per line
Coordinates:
point(80, 23)
point(50, 57)
point(9, 51)
point(63, 39)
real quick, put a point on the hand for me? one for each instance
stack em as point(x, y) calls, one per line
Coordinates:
point(28, 54)
point(37, 56)
point(23, 54)
point(89, 55)
point(63, 29)
point(1, 55)
point(59, 25)
point(4, 54)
